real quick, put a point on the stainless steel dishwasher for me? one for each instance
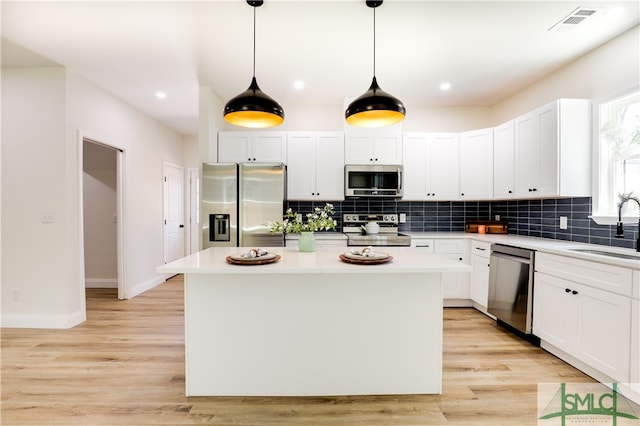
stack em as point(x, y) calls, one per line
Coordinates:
point(511, 286)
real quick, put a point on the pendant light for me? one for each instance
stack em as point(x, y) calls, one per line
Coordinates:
point(254, 108)
point(375, 108)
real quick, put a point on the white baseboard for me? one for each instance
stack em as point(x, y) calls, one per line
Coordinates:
point(147, 285)
point(42, 320)
point(101, 283)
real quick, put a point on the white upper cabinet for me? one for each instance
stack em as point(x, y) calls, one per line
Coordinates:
point(243, 147)
point(430, 166)
point(373, 146)
point(476, 165)
point(315, 170)
point(553, 150)
point(503, 161)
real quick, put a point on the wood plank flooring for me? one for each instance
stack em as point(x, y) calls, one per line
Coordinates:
point(125, 366)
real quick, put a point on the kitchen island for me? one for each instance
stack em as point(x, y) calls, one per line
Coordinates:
point(310, 324)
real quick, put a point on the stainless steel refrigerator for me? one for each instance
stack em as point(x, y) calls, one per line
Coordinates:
point(238, 200)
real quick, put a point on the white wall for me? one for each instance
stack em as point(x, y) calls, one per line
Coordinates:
point(146, 144)
point(45, 111)
point(605, 70)
point(39, 260)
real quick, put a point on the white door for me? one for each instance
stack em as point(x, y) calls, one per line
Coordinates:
point(194, 211)
point(173, 201)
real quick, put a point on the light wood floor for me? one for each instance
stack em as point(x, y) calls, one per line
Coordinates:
point(125, 366)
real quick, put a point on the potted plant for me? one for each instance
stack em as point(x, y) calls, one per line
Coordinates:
point(293, 223)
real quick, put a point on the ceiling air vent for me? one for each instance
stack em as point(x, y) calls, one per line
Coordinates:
point(576, 17)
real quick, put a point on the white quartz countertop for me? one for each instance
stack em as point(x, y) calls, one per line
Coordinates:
point(546, 245)
point(324, 260)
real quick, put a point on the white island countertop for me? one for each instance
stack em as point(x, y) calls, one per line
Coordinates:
point(311, 324)
point(324, 260)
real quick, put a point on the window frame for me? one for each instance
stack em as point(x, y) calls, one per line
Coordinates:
point(598, 216)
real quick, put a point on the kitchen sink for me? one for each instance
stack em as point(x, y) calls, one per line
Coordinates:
point(607, 253)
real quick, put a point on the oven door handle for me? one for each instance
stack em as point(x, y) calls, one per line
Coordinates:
point(510, 257)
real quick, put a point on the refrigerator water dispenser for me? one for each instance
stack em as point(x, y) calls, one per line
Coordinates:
point(220, 224)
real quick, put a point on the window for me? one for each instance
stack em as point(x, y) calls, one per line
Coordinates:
point(617, 156)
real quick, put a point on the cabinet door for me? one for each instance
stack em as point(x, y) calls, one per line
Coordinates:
point(476, 165)
point(603, 327)
point(301, 170)
point(329, 166)
point(387, 148)
point(269, 147)
point(357, 147)
point(234, 147)
point(547, 124)
point(554, 311)
point(479, 288)
point(442, 167)
point(414, 147)
point(527, 156)
point(503, 161)
point(634, 372)
point(455, 285)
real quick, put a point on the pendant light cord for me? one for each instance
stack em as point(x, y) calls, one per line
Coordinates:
point(374, 41)
point(254, 41)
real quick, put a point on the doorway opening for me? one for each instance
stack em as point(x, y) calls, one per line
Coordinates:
point(102, 217)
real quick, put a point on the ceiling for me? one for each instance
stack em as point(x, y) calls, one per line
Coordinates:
point(486, 50)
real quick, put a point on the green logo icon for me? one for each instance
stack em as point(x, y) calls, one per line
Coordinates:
point(566, 404)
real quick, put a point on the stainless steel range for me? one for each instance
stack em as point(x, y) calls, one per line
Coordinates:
point(388, 234)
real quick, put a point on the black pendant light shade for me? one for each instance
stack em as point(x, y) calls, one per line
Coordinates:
point(254, 108)
point(375, 107)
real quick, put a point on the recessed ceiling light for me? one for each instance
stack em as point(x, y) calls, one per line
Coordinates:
point(161, 95)
point(445, 86)
point(298, 84)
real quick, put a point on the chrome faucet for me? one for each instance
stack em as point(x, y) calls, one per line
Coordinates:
point(619, 230)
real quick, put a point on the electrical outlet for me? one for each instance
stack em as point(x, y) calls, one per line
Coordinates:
point(16, 295)
point(299, 216)
point(563, 222)
point(403, 217)
point(497, 217)
point(47, 216)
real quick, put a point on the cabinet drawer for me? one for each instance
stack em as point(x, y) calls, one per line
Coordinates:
point(598, 275)
point(480, 248)
point(450, 246)
point(423, 243)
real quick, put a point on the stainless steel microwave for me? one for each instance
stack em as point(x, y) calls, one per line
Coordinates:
point(364, 180)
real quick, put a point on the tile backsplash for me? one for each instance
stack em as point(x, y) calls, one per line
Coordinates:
point(534, 218)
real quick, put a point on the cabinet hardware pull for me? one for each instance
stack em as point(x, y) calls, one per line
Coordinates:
point(567, 290)
point(510, 192)
point(480, 248)
point(574, 292)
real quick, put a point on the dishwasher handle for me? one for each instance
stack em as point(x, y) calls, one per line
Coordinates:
point(519, 259)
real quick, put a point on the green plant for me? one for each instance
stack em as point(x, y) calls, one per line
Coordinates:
point(293, 223)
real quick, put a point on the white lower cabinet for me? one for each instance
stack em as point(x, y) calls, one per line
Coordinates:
point(479, 282)
point(587, 323)
point(635, 338)
point(455, 285)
